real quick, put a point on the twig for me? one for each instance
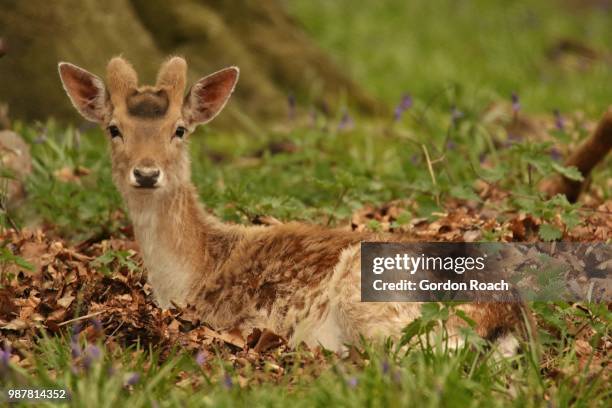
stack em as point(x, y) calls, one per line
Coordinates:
point(109, 337)
point(431, 172)
point(76, 319)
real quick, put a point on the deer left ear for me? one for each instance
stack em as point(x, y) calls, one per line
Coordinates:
point(86, 91)
point(208, 96)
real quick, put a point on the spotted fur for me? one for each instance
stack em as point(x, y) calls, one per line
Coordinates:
point(300, 281)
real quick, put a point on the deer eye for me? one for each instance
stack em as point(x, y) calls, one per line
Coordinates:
point(114, 131)
point(180, 132)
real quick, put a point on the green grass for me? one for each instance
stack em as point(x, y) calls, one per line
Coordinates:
point(425, 374)
point(482, 49)
point(467, 54)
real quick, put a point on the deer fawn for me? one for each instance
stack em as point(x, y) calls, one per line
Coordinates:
point(300, 281)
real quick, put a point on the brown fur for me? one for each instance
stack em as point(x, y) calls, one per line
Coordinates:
point(300, 281)
point(147, 104)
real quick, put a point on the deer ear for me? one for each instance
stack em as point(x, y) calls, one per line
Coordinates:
point(86, 91)
point(208, 96)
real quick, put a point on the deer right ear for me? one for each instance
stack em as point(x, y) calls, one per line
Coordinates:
point(86, 91)
point(209, 95)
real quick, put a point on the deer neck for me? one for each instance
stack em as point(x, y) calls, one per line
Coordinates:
point(181, 245)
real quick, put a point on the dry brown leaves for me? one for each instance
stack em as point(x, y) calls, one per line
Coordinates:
point(64, 290)
point(467, 222)
point(463, 221)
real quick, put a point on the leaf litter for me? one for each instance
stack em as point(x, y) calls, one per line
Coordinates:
point(56, 286)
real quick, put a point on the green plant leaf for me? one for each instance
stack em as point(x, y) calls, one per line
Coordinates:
point(549, 232)
point(570, 172)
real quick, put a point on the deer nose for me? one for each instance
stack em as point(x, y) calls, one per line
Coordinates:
point(146, 177)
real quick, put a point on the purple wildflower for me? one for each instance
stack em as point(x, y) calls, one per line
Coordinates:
point(97, 325)
point(450, 145)
point(201, 358)
point(559, 121)
point(132, 379)
point(5, 357)
point(5, 360)
point(512, 139)
point(456, 114)
point(346, 121)
point(385, 366)
point(516, 103)
point(414, 159)
point(227, 381)
point(75, 348)
point(352, 382)
point(92, 353)
point(291, 106)
point(40, 139)
point(555, 154)
point(404, 105)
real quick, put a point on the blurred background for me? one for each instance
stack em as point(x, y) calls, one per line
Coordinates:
point(436, 119)
point(555, 54)
point(362, 104)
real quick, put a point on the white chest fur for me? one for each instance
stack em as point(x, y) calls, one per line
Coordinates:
point(168, 272)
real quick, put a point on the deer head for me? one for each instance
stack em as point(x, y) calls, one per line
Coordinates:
point(148, 126)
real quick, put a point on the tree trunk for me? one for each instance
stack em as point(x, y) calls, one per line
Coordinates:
point(275, 56)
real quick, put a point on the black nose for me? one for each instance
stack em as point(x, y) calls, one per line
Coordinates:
point(146, 177)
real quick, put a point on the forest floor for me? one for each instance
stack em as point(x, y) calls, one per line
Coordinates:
point(458, 160)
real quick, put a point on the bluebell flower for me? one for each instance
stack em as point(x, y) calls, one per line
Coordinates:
point(97, 325)
point(92, 353)
point(456, 114)
point(201, 358)
point(227, 381)
point(346, 121)
point(516, 103)
point(559, 121)
point(404, 105)
point(132, 379)
point(5, 357)
point(555, 154)
point(385, 366)
point(5, 360)
point(75, 348)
